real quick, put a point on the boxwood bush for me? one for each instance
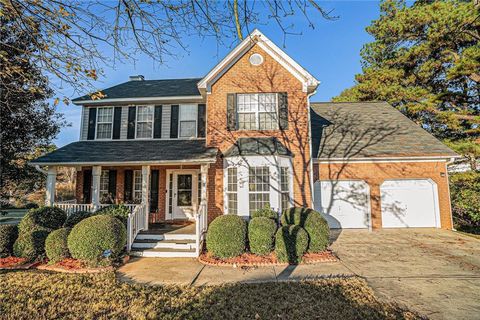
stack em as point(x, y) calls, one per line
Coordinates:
point(291, 243)
point(75, 218)
point(261, 235)
point(44, 218)
point(119, 211)
point(96, 238)
point(313, 222)
point(226, 236)
point(30, 245)
point(56, 245)
point(8, 235)
point(266, 212)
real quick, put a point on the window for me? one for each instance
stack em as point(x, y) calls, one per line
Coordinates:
point(170, 194)
point(259, 188)
point(137, 186)
point(188, 121)
point(232, 196)
point(144, 121)
point(104, 123)
point(104, 183)
point(257, 111)
point(284, 188)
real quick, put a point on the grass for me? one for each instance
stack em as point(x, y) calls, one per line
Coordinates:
point(40, 295)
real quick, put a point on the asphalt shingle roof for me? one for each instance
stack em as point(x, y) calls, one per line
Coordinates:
point(149, 89)
point(369, 129)
point(262, 146)
point(129, 151)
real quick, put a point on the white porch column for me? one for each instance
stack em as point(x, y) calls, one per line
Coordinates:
point(204, 173)
point(51, 180)
point(96, 173)
point(146, 192)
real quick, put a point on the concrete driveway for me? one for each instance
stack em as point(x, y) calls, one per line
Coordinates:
point(435, 272)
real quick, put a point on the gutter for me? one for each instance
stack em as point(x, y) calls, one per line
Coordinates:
point(124, 163)
point(37, 167)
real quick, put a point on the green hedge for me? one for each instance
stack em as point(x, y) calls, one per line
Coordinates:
point(8, 235)
point(261, 235)
point(313, 222)
point(266, 212)
point(226, 236)
point(44, 218)
point(291, 243)
point(76, 217)
point(30, 245)
point(97, 239)
point(465, 193)
point(56, 246)
point(119, 211)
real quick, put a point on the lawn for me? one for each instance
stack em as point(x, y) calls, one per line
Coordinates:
point(39, 295)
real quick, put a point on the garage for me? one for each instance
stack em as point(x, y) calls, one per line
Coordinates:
point(344, 204)
point(409, 204)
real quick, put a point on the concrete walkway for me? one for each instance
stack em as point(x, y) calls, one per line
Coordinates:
point(435, 272)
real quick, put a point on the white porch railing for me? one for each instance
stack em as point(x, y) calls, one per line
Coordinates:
point(71, 208)
point(201, 226)
point(137, 221)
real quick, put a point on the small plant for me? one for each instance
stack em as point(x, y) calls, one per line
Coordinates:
point(76, 217)
point(30, 245)
point(266, 212)
point(8, 235)
point(118, 211)
point(91, 238)
point(313, 222)
point(56, 246)
point(226, 236)
point(291, 243)
point(261, 235)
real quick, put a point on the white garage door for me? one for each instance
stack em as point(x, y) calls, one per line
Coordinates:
point(345, 204)
point(409, 203)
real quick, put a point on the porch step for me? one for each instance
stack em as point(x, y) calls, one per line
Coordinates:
point(164, 253)
point(169, 244)
point(164, 236)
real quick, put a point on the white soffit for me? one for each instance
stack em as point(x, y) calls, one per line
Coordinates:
point(256, 37)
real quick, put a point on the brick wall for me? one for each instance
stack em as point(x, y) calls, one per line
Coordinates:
point(242, 77)
point(376, 173)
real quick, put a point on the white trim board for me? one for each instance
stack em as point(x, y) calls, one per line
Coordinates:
point(173, 99)
point(381, 160)
point(126, 163)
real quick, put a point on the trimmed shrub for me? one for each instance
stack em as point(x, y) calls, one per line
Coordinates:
point(119, 211)
point(291, 243)
point(56, 245)
point(30, 245)
point(261, 235)
point(226, 236)
point(313, 222)
point(266, 212)
point(44, 218)
point(96, 238)
point(76, 217)
point(8, 235)
point(31, 205)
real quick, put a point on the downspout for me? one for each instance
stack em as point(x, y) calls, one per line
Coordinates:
point(37, 167)
point(310, 144)
point(448, 189)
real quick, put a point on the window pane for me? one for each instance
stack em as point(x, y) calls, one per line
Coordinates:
point(137, 186)
point(267, 121)
point(258, 201)
point(187, 129)
point(105, 114)
point(259, 179)
point(232, 203)
point(285, 200)
point(232, 180)
point(284, 179)
point(145, 113)
point(144, 130)
point(267, 102)
point(246, 121)
point(188, 112)
point(104, 131)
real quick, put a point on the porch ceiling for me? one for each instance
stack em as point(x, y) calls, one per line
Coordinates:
point(129, 152)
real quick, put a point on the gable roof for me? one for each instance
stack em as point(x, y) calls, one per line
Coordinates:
point(261, 146)
point(257, 37)
point(369, 129)
point(136, 90)
point(129, 152)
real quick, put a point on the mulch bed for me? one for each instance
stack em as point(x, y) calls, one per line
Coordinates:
point(251, 260)
point(13, 263)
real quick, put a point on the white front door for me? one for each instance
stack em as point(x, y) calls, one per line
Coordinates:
point(184, 194)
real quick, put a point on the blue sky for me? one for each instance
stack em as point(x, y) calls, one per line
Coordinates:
point(330, 51)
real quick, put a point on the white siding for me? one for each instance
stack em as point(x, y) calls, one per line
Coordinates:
point(166, 113)
point(124, 123)
point(84, 124)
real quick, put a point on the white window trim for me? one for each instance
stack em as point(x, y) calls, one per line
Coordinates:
point(135, 173)
point(180, 121)
point(257, 112)
point(97, 123)
point(106, 191)
point(228, 192)
point(136, 120)
point(194, 173)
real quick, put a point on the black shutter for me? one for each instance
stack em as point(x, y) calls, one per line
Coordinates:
point(283, 111)
point(201, 120)
point(112, 184)
point(154, 191)
point(117, 119)
point(174, 122)
point(87, 186)
point(157, 122)
point(128, 186)
point(132, 111)
point(231, 111)
point(92, 120)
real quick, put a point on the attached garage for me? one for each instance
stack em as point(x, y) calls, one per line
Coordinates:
point(409, 204)
point(345, 204)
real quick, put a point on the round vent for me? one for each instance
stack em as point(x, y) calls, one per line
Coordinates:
point(256, 59)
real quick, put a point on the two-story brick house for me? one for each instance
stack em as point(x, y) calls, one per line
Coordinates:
point(244, 136)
